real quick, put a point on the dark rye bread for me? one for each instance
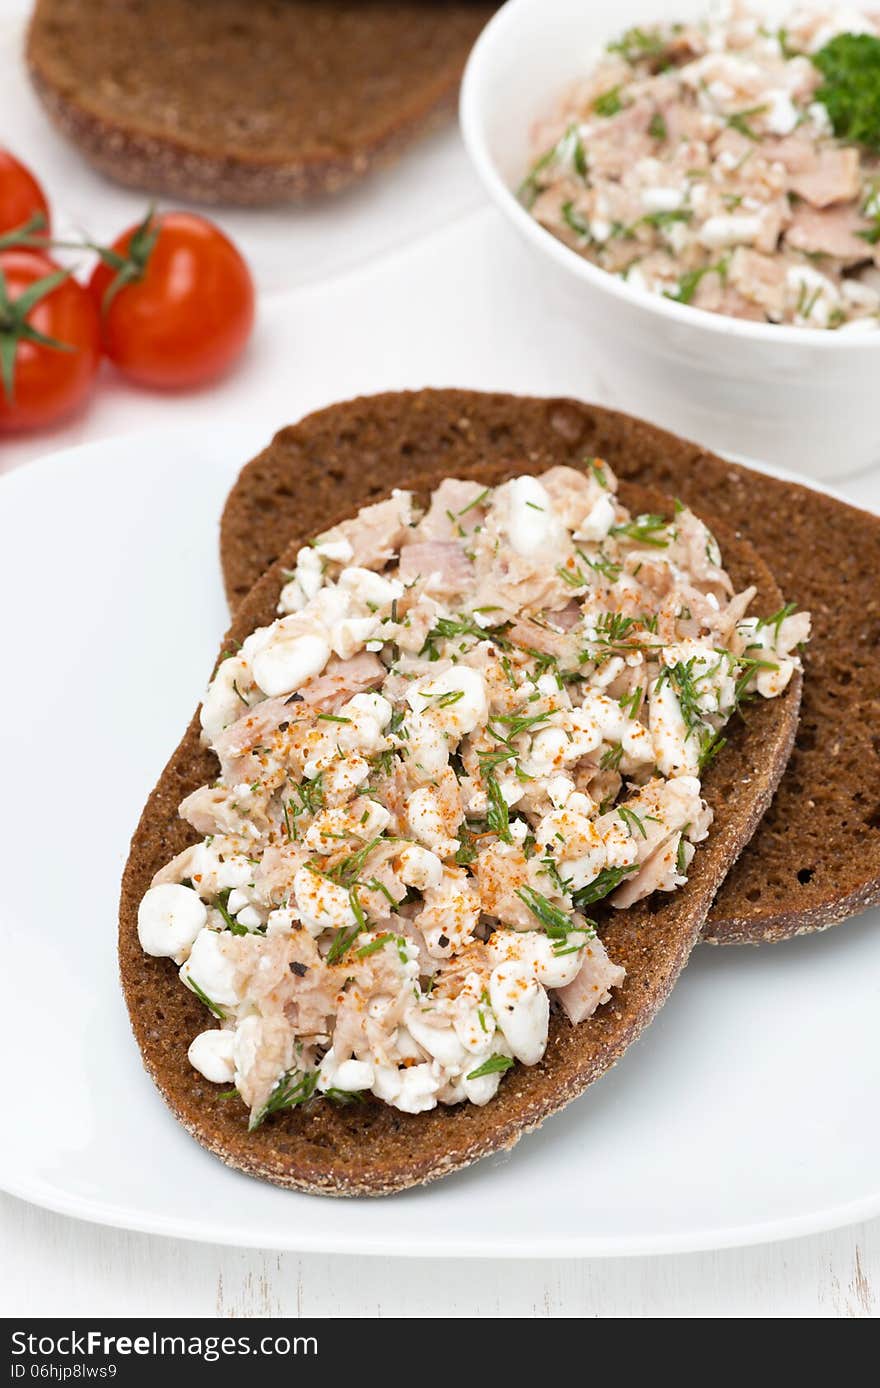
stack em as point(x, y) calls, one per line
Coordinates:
point(370, 1148)
point(248, 101)
point(816, 860)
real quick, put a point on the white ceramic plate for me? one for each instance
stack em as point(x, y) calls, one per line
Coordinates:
point(748, 1111)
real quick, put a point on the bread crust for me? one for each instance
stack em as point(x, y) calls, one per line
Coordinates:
point(153, 147)
point(816, 861)
point(370, 1148)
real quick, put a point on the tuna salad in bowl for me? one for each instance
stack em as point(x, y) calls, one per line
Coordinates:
point(716, 176)
point(703, 187)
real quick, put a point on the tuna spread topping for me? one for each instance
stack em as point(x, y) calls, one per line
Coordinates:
point(470, 722)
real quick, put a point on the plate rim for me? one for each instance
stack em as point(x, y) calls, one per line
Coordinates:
point(718, 1238)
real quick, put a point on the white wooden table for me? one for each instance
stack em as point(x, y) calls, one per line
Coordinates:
point(52, 1265)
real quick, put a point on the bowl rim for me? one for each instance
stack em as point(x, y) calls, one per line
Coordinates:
point(471, 103)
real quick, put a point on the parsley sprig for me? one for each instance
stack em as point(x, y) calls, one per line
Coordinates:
point(850, 65)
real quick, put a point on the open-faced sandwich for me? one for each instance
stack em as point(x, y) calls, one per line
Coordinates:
point(465, 781)
point(816, 860)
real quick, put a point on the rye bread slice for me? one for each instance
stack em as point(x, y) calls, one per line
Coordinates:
point(369, 1148)
point(248, 101)
point(816, 860)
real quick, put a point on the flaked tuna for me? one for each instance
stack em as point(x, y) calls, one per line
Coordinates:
point(442, 564)
point(341, 680)
point(592, 986)
point(831, 231)
point(374, 534)
point(457, 507)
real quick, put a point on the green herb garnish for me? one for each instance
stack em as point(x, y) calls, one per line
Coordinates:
point(632, 821)
point(497, 814)
point(202, 996)
point(575, 222)
point(850, 65)
point(568, 149)
point(609, 103)
point(614, 627)
point(639, 43)
point(222, 905)
point(665, 218)
point(689, 283)
point(467, 849)
point(343, 941)
point(610, 760)
point(446, 700)
point(598, 471)
point(739, 121)
point(294, 1088)
point(447, 628)
point(680, 677)
point(680, 863)
point(343, 1096)
point(710, 747)
point(777, 618)
point(477, 501)
point(644, 530)
point(379, 943)
point(631, 703)
point(601, 886)
point(575, 578)
point(308, 797)
point(557, 923)
point(495, 1065)
point(349, 870)
point(601, 564)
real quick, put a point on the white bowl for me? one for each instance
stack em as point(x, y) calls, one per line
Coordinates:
point(803, 398)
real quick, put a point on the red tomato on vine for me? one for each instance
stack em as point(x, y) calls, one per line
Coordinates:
point(50, 341)
point(176, 301)
point(23, 204)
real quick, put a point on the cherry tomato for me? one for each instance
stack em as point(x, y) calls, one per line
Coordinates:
point(47, 382)
point(178, 306)
point(21, 196)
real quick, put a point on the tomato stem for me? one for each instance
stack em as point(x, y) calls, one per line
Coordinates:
point(24, 235)
point(14, 327)
point(131, 267)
